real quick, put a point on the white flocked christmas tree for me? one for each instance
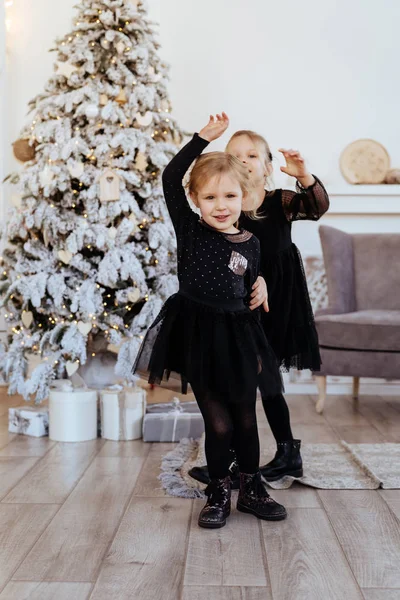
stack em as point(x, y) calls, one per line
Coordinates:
point(90, 250)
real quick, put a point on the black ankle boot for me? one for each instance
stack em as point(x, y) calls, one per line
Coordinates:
point(254, 499)
point(287, 461)
point(218, 506)
point(201, 473)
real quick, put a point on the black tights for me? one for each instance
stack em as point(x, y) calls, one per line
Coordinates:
point(277, 413)
point(223, 422)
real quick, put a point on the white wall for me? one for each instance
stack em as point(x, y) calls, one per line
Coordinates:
point(312, 75)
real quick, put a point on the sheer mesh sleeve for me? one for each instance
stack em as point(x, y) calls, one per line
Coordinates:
point(306, 203)
point(173, 175)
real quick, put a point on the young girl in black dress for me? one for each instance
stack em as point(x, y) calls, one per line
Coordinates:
point(206, 332)
point(289, 324)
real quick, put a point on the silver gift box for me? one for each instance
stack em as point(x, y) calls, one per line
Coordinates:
point(172, 422)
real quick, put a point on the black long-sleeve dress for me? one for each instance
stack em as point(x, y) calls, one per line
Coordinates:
point(289, 325)
point(206, 333)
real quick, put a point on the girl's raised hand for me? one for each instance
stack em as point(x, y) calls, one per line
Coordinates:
point(215, 127)
point(295, 165)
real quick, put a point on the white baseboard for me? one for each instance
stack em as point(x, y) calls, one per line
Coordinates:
point(304, 383)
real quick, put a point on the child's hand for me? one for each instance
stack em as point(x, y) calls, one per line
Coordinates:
point(259, 295)
point(295, 165)
point(215, 127)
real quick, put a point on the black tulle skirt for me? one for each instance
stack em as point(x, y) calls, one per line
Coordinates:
point(218, 347)
point(290, 326)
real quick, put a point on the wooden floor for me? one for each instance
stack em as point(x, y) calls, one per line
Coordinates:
point(80, 521)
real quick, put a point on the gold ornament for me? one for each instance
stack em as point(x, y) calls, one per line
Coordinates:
point(109, 186)
point(65, 256)
point(27, 318)
point(23, 150)
point(103, 99)
point(66, 69)
point(141, 162)
point(122, 98)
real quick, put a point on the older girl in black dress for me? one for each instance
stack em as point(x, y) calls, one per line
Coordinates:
point(289, 324)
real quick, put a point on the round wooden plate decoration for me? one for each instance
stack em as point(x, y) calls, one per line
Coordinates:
point(364, 161)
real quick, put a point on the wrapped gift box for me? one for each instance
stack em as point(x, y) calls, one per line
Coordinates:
point(122, 411)
point(172, 422)
point(73, 412)
point(28, 420)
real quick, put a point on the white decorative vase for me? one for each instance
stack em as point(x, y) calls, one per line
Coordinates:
point(122, 413)
point(73, 415)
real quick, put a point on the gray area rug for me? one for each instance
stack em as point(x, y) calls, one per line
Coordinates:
point(338, 466)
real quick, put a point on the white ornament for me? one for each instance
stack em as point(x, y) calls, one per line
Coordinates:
point(92, 111)
point(27, 318)
point(84, 328)
point(120, 47)
point(109, 187)
point(141, 162)
point(113, 348)
point(144, 120)
point(66, 69)
point(65, 256)
point(105, 43)
point(76, 169)
point(46, 176)
point(72, 368)
point(112, 232)
point(45, 237)
point(16, 200)
point(134, 296)
point(133, 219)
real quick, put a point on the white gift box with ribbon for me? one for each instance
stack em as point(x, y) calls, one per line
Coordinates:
point(28, 420)
point(172, 422)
point(122, 411)
point(72, 412)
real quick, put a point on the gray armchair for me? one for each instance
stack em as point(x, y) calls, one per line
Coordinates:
point(359, 334)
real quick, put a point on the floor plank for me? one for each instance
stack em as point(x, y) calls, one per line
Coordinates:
point(315, 434)
point(304, 559)
point(55, 475)
point(379, 594)
point(382, 415)
point(339, 412)
point(212, 593)
point(216, 558)
point(298, 496)
point(24, 445)
point(137, 568)
point(133, 449)
point(73, 546)
point(17, 590)
point(368, 533)
point(148, 483)
point(12, 470)
point(20, 527)
point(6, 438)
point(360, 435)
point(392, 499)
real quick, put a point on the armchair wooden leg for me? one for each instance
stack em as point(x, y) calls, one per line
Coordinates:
point(356, 389)
point(321, 385)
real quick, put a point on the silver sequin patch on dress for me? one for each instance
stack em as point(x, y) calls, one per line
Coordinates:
point(238, 263)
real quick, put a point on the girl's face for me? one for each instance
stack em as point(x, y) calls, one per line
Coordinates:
point(250, 154)
point(220, 202)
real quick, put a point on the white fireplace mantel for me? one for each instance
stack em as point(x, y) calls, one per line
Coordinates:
point(364, 199)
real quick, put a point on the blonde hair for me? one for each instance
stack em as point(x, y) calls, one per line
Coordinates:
point(261, 142)
point(214, 164)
